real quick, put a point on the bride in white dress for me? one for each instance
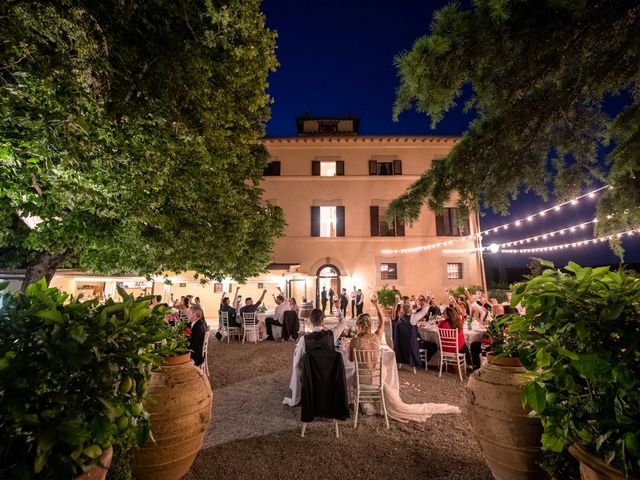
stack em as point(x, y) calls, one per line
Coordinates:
point(396, 408)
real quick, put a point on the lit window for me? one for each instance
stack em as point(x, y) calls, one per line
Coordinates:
point(388, 271)
point(454, 271)
point(328, 221)
point(327, 169)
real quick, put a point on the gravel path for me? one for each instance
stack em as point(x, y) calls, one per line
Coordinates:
point(252, 436)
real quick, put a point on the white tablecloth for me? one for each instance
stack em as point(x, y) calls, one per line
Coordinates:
point(431, 335)
point(389, 375)
point(389, 370)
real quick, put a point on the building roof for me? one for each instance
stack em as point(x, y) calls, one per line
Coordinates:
point(363, 139)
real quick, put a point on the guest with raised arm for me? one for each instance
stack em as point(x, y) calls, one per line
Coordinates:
point(365, 340)
point(452, 321)
point(282, 306)
point(249, 306)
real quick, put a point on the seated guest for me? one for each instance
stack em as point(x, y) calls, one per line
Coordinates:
point(282, 306)
point(318, 338)
point(364, 339)
point(225, 306)
point(198, 326)
point(293, 305)
point(496, 308)
point(451, 321)
point(249, 306)
point(405, 337)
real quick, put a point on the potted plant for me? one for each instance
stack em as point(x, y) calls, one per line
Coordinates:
point(72, 379)
point(580, 340)
point(387, 298)
point(179, 407)
point(508, 436)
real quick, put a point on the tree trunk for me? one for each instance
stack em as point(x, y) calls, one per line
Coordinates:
point(44, 265)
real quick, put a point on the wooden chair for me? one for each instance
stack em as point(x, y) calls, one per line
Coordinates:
point(369, 384)
point(226, 329)
point(250, 325)
point(448, 339)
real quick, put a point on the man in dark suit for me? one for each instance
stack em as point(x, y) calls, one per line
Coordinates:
point(344, 301)
point(331, 299)
point(323, 299)
point(318, 338)
point(198, 330)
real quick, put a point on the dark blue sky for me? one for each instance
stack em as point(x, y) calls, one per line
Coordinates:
point(337, 57)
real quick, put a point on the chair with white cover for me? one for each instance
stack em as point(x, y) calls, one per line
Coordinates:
point(204, 366)
point(369, 384)
point(250, 325)
point(450, 350)
point(226, 329)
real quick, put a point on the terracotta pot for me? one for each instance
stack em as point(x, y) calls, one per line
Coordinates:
point(99, 471)
point(593, 467)
point(179, 414)
point(508, 437)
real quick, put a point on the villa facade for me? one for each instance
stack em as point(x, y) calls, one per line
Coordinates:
point(334, 187)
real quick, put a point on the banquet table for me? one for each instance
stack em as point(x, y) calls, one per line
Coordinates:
point(389, 374)
point(429, 333)
point(389, 368)
point(262, 318)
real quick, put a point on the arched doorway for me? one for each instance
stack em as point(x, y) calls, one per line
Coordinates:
point(327, 276)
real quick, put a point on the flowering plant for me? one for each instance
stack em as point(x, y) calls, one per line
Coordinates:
point(175, 335)
point(348, 332)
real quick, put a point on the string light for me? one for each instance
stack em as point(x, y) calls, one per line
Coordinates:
point(520, 241)
point(479, 235)
point(572, 245)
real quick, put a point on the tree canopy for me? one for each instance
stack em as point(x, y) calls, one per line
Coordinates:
point(542, 76)
point(130, 136)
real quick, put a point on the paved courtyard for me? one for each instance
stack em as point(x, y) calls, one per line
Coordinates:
point(252, 436)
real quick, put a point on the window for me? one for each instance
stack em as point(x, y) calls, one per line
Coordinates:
point(450, 224)
point(454, 271)
point(272, 169)
point(327, 221)
point(324, 168)
point(328, 126)
point(381, 227)
point(385, 168)
point(388, 271)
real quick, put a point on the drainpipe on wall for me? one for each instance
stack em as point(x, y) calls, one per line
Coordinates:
point(481, 257)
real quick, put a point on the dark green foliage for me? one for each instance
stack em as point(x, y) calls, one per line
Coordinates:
point(540, 73)
point(460, 289)
point(580, 338)
point(73, 376)
point(387, 297)
point(560, 466)
point(120, 468)
point(130, 131)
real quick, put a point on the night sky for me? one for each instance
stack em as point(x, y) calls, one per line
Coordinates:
point(336, 58)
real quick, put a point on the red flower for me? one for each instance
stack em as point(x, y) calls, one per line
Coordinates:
point(187, 331)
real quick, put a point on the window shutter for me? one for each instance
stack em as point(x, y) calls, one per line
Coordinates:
point(399, 228)
point(315, 221)
point(373, 167)
point(375, 225)
point(440, 225)
point(397, 167)
point(465, 225)
point(315, 168)
point(272, 169)
point(340, 221)
point(339, 167)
